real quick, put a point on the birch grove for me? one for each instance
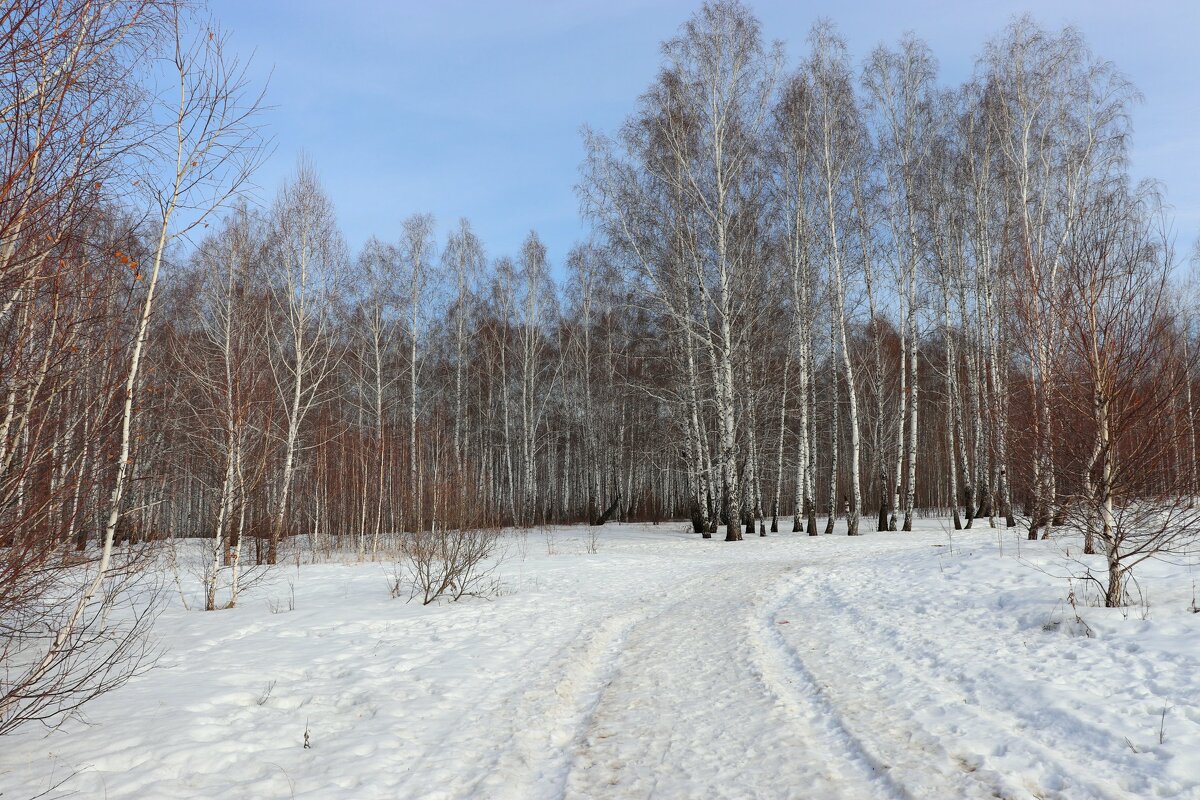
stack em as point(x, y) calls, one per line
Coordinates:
point(807, 295)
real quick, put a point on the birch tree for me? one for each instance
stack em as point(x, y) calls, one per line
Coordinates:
point(306, 255)
point(225, 363)
point(1120, 333)
point(1059, 125)
point(200, 149)
point(463, 260)
point(417, 257)
point(900, 86)
point(793, 187)
point(725, 77)
point(380, 272)
point(837, 133)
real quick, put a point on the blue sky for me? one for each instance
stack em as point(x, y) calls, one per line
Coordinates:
point(474, 108)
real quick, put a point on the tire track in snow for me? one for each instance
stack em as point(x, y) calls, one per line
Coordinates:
point(1063, 759)
point(883, 741)
point(1069, 748)
point(786, 675)
point(905, 742)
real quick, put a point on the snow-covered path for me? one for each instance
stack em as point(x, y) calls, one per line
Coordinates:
point(885, 666)
point(698, 703)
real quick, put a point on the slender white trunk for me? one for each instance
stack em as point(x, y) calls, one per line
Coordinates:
point(783, 396)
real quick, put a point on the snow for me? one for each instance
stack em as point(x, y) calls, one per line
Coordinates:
point(932, 664)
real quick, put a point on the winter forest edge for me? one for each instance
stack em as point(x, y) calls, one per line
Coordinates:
point(823, 294)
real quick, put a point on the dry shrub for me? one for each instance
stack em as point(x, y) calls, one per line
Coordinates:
point(453, 553)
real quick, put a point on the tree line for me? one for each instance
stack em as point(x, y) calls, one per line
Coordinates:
point(839, 291)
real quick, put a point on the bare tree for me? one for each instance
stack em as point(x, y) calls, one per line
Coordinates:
point(225, 364)
point(199, 151)
point(838, 137)
point(463, 259)
point(1060, 124)
point(379, 319)
point(793, 183)
point(900, 87)
point(306, 254)
point(1136, 503)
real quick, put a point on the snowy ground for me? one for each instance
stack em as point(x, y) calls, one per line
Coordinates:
point(897, 665)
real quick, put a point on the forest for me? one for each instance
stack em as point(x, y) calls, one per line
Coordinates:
point(819, 289)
